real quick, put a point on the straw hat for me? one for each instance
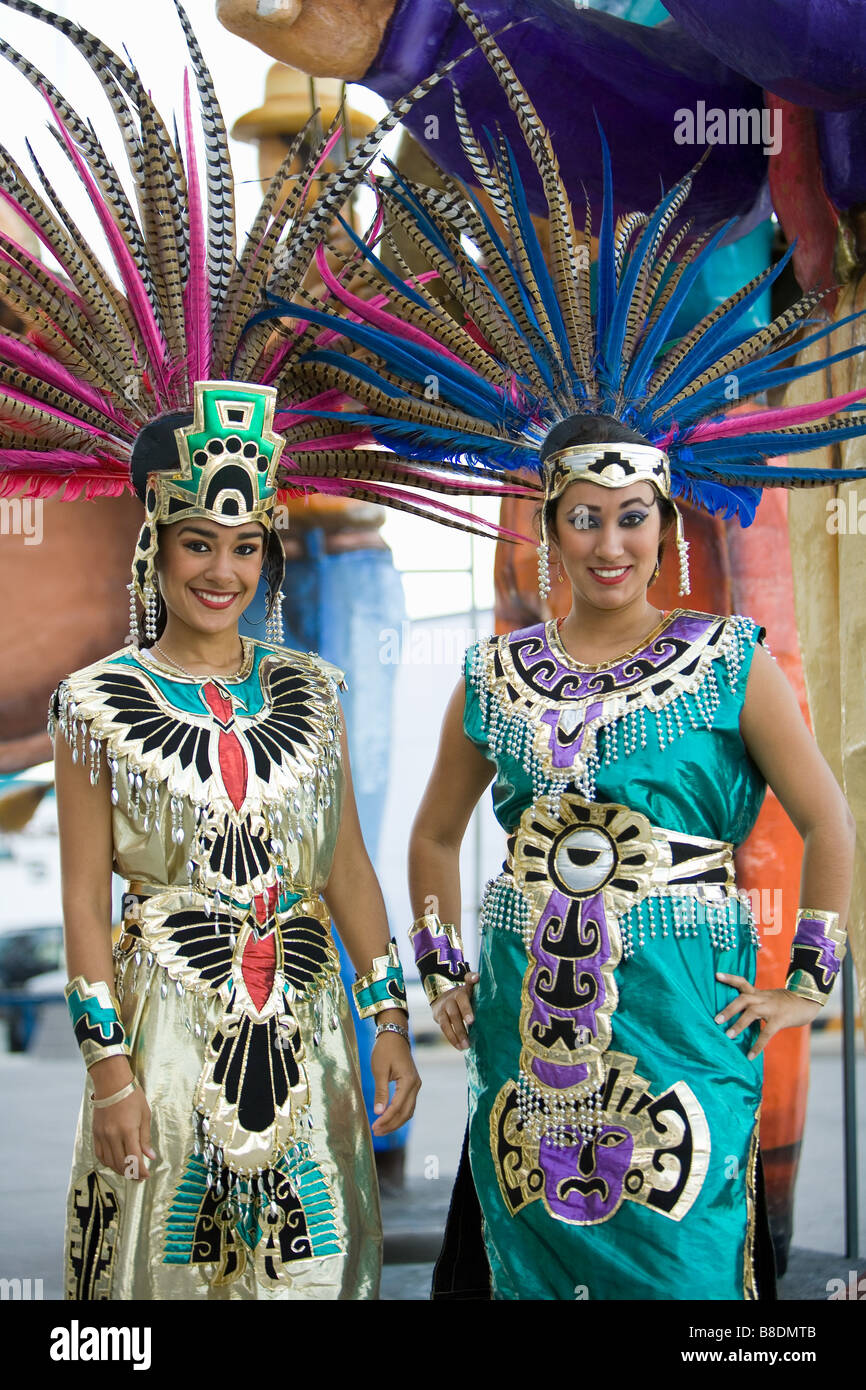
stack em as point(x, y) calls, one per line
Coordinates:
point(286, 106)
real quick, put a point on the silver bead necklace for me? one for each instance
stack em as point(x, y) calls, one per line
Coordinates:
point(158, 648)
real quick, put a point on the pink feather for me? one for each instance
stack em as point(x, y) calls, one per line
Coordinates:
point(51, 460)
point(19, 256)
point(378, 318)
point(355, 440)
point(55, 251)
point(22, 396)
point(157, 349)
point(296, 414)
point(768, 419)
point(40, 364)
point(340, 487)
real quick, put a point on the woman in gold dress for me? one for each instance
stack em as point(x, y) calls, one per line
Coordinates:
point(223, 1148)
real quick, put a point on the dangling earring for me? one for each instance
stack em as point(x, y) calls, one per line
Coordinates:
point(683, 553)
point(274, 626)
point(655, 574)
point(151, 606)
point(543, 553)
point(559, 574)
point(132, 635)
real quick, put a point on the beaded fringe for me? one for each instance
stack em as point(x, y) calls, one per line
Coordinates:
point(505, 909)
point(726, 920)
point(139, 973)
point(511, 732)
point(674, 913)
point(284, 821)
point(555, 1119)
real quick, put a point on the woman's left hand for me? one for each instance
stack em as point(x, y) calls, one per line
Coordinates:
point(779, 1008)
point(392, 1060)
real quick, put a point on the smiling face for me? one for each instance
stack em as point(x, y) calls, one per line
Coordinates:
point(607, 540)
point(209, 573)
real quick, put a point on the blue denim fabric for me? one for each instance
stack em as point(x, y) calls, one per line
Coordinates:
point(337, 605)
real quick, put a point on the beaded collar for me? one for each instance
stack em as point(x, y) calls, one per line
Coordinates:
point(546, 709)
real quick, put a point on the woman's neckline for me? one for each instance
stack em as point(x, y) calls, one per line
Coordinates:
point(558, 646)
point(146, 655)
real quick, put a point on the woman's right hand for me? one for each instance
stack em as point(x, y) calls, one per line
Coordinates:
point(453, 1012)
point(121, 1136)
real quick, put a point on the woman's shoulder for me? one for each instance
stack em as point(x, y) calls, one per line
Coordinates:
point(84, 675)
point(277, 654)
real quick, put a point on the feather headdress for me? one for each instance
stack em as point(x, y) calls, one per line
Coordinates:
point(106, 351)
point(533, 353)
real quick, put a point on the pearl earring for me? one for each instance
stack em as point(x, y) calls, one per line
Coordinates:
point(132, 636)
point(683, 554)
point(543, 570)
point(150, 611)
point(274, 626)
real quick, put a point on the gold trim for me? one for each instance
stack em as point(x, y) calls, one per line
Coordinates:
point(584, 463)
point(512, 695)
point(150, 662)
point(556, 644)
point(750, 1283)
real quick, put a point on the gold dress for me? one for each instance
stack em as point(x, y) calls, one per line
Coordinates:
point(226, 799)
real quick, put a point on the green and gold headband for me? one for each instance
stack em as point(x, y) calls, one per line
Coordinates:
point(227, 459)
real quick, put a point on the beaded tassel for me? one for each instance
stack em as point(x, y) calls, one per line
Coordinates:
point(683, 554)
point(150, 609)
point(274, 627)
point(132, 636)
point(543, 570)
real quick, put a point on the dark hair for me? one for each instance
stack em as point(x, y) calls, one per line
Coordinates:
point(154, 449)
point(597, 429)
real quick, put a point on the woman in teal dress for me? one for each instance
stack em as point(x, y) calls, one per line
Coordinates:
point(612, 1028)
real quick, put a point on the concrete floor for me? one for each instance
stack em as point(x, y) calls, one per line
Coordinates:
point(41, 1094)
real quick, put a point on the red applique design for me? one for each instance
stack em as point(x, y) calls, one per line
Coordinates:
point(232, 761)
point(258, 965)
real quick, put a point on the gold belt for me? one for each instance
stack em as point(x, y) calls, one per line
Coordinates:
point(682, 863)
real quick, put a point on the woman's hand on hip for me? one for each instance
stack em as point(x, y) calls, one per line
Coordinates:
point(776, 1008)
point(453, 1012)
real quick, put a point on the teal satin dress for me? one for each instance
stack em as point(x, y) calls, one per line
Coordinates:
point(613, 1125)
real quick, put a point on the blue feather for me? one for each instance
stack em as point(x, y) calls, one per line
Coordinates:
point(426, 225)
point(610, 345)
point(751, 380)
point(456, 382)
point(656, 336)
point(606, 260)
point(741, 450)
point(716, 498)
point(718, 340)
point(546, 290)
point(379, 265)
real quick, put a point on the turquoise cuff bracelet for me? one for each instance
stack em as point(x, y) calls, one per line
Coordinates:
point(95, 1020)
point(382, 987)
